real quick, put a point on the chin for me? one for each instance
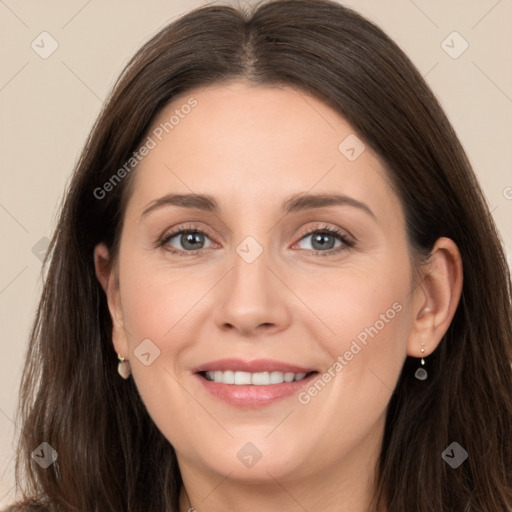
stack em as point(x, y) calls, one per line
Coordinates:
point(258, 460)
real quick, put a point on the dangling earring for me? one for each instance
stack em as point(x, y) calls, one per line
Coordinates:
point(421, 373)
point(123, 367)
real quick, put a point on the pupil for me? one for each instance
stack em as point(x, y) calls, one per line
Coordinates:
point(190, 238)
point(320, 238)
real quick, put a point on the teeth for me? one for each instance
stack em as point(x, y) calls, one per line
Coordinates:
point(256, 379)
point(242, 378)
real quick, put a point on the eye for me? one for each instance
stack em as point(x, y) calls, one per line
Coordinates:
point(189, 241)
point(323, 240)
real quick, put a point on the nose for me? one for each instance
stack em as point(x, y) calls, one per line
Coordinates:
point(253, 299)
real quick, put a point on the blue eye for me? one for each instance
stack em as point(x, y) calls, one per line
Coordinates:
point(192, 240)
point(323, 237)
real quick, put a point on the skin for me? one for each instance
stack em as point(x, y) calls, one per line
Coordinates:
point(291, 304)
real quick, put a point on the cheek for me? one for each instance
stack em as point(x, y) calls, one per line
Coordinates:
point(364, 360)
point(365, 311)
point(156, 299)
point(156, 306)
point(362, 302)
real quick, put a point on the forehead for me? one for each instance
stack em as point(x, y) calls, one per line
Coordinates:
point(252, 144)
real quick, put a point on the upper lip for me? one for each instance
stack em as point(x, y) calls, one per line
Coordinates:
point(254, 366)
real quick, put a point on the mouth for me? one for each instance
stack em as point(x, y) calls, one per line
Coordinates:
point(252, 384)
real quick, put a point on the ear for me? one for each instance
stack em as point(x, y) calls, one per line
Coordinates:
point(107, 275)
point(436, 298)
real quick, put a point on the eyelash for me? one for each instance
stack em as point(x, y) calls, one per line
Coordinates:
point(191, 229)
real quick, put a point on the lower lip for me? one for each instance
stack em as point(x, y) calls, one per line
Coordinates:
point(252, 396)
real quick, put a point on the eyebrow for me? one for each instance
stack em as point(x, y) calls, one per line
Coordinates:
point(295, 203)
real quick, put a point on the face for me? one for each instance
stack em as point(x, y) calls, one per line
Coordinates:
point(262, 279)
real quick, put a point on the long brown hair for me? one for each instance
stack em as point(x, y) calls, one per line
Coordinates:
point(111, 456)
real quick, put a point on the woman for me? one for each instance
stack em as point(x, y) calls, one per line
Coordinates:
point(276, 238)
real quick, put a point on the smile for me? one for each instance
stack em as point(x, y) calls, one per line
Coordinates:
point(239, 378)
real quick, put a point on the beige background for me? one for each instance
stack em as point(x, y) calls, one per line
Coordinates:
point(48, 106)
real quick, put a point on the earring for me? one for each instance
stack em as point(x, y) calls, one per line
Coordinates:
point(123, 367)
point(421, 373)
